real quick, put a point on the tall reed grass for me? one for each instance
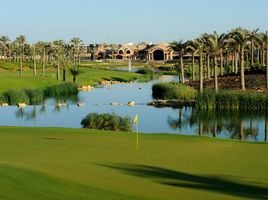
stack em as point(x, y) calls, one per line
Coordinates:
point(226, 99)
point(170, 91)
point(64, 89)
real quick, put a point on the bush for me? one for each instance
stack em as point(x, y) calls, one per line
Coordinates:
point(35, 96)
point(107, 122)
point(169, 91)
point(64, 89)
point(14, 97)
point(145, 71)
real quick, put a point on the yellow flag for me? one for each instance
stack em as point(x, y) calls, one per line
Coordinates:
point(136, 120)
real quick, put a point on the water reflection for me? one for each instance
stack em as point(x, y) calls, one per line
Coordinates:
point(234, 124)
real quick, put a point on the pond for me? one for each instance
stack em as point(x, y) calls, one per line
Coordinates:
point(244, 126)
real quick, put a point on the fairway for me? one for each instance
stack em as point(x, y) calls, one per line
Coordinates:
point(54, 163)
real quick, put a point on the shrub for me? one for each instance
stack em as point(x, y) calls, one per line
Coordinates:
point(110, 122)
point(35, 96)
point(168, 91)
point(64, 89)
point(14, 97)
point(145, 71)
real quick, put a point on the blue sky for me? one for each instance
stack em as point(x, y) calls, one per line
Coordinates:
point(120, 21)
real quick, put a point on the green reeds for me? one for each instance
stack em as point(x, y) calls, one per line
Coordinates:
point(15, 97)
point(226, 99)
point(110, 122)
point(35, 96)
point(169, 91)
point(64, 89)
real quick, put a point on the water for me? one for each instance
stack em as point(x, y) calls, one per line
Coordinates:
point(151, 120)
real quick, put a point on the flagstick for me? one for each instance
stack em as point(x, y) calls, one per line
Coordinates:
point(137, 136)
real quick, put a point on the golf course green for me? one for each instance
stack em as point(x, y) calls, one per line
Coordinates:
point(57, 163)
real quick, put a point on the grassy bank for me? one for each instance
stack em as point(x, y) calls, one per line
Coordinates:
point(11, 80)
point(53, 163)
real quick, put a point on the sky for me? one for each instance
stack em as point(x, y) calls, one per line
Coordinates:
point(122, 21)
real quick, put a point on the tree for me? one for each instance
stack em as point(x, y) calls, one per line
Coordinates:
point(4, 42)
point(43, 48)
point(58, 54)
point(200, 45)
point(240, 36)
point(216, 43)
point(180, 47)
point(21, 40)
point(252, 37)
point(192, 48)
point(76, 49)
point(75, 73)
point(264, 39)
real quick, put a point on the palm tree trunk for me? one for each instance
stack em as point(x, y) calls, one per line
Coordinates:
point(208, 66)
point(215, 75)
point(242, 72)
point(236, 63)
point(252, 54)
point(258, 55)
point(201, 84)
point(58, 70)
point(221, 58)
point(233, 63)
point(263, 57)
point(182, 70)
point(43, 65)
point(34, 62)
point(193, 71)
point(20, 66)
point(64, 73)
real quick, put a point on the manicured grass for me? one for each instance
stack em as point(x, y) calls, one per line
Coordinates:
point(54, 163)
point(11, 79)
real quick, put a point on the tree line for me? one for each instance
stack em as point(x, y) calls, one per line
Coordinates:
point(235, 49)
point(57, 53)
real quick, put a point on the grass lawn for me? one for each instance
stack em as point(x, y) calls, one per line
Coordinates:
point(54, 163)
point(10, 79)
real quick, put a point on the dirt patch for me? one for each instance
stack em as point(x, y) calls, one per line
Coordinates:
point(253, 82)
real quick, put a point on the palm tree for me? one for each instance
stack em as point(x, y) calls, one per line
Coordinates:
point(200, 43)
point(216, 43)
point(264, 43)
point(75, 72)
point(43, 48)
point(4, 42)
point(252, 37)
point(58, 54)
point(75, 42)
point(33, 53)
point(180, 47)
point(192, 47)
point(21, 40)
point(241, 38)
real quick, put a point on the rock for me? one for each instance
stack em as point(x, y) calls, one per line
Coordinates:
point(115, 104)
point(86, 87)
point(81, 104)
point(22, 105)
point(4, 104)
point(61, 104)
point(131, 103)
